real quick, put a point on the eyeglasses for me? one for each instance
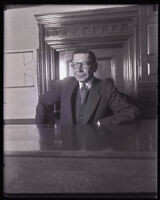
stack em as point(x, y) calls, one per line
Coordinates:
point(76, 65)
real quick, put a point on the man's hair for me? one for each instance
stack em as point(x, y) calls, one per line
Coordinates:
point(91, 55)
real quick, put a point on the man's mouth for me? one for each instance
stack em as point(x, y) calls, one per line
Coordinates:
point(80, 75)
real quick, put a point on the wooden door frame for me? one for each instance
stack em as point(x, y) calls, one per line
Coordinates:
point(117, 27)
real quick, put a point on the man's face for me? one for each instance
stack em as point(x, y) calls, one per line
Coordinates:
point(83, 67)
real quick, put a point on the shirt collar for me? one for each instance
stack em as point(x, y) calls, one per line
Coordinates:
point(88, 84)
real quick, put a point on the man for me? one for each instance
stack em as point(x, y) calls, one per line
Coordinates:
point(85, 99)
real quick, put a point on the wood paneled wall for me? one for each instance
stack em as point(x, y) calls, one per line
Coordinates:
point(148, 38)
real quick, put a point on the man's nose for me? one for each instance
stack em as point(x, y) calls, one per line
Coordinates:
point(80, 67)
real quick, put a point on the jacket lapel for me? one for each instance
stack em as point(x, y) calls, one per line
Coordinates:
point(93, 99)
point(71, 97)
point(72, 86)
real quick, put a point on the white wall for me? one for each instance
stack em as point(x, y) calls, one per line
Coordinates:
point(20, 85)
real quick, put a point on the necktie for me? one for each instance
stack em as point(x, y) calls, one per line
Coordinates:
point(83, 93)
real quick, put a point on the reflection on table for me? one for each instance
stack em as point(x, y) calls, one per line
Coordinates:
point(138, 139)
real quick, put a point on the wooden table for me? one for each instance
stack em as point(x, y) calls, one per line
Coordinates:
point(110, 160)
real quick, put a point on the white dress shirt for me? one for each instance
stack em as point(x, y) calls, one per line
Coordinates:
point(88, 84)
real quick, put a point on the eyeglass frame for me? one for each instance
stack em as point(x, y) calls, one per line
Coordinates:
point(80, 64)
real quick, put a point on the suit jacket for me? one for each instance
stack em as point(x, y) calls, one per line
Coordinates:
point(106, 105)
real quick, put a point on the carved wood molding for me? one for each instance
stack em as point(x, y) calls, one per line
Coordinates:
point(98, 28)
point(111, 38)
point(95, 45)
point(88, 16)
point(87, 30)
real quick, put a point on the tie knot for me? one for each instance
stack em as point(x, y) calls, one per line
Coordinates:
point(84, 86)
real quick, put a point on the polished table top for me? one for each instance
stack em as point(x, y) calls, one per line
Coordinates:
point(129, 140)
point(81, 159)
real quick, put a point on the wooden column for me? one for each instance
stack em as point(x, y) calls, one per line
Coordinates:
point(42, 70)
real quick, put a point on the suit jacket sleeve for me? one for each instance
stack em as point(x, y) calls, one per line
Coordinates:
point(44, 109)
point(122, 110)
